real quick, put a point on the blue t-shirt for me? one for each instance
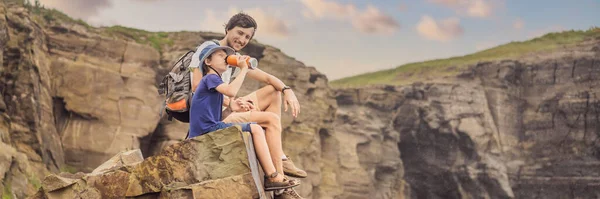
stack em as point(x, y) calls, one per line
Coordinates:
point(206, 106)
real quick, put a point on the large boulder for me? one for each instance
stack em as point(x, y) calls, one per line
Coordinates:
point(215, 165)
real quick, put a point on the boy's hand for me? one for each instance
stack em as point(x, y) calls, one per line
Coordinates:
point(241, 105)
point(242, 61)
point(235, 107)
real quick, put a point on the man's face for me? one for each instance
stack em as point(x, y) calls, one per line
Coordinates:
point(238, 37)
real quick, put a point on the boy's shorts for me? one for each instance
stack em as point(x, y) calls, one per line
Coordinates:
point(219, 126)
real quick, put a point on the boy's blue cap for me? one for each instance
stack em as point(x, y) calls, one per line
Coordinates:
point(208, 50)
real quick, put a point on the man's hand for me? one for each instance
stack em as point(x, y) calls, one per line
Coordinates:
point(290, 99)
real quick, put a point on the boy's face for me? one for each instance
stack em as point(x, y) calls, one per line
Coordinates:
point(217, 60)
point(238, 37)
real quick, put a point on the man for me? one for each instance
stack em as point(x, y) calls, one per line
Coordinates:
point(262, 103)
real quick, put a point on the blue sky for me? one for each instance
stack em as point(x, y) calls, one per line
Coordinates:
point(348, 37)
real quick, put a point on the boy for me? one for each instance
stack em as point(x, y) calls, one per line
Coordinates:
point(206, 110)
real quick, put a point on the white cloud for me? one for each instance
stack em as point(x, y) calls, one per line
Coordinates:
point(268, 23)
point(443, 30)
point(213, 22)
point(472, 8)
point(79, 9)
point(322, 9)
point(479, 8)
point(374, 22)
point(402, 7)
point(369, 21)
point(518, 24)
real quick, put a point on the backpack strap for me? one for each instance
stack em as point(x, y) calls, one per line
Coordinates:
point(162, 110)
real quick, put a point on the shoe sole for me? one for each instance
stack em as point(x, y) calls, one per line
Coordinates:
point(294, 175)
point(278, 188)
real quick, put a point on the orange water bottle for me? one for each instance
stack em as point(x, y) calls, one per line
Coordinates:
point(251, 61)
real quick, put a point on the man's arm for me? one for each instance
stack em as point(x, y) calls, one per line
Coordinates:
point(197, 77)
point(288, 95)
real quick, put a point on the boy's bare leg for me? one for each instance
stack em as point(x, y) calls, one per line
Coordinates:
point(271, 123)
point(262, 151)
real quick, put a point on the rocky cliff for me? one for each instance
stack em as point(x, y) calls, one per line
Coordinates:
point(525, 128)
point(73, 96)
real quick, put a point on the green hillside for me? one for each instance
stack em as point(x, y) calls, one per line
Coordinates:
point(412, 72)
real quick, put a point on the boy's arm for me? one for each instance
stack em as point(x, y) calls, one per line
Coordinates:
point(232, 89)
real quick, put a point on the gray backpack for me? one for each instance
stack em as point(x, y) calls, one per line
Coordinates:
point(177, 87)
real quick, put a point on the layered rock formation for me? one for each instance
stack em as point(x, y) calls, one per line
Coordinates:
point(30, 143)
point(73, 96)
point(439, 141)
point(220, 164)
point(523, 128)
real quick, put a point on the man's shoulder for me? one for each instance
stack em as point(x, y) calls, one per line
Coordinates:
point(208, 42)
point(202, 46)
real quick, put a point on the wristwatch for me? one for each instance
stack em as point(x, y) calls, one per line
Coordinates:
point(285, 87)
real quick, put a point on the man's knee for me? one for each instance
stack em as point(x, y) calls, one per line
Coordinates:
point(272, 92)
point(272, 118)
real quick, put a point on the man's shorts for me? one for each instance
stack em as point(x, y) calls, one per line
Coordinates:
point(242, 117)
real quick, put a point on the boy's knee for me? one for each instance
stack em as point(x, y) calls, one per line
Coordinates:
point(256, 129)
point(274, 121)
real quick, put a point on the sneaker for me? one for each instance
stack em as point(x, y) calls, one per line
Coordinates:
point(286, 183)
point(291, 170)
point(289, 193)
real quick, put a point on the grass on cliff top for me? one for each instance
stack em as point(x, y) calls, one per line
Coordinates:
point(422, 71)
point(154, 39)
point(43, 15)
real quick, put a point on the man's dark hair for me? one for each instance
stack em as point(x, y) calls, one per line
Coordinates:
point(242, 20)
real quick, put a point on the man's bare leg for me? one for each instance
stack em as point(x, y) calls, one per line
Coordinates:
point(269, 100)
